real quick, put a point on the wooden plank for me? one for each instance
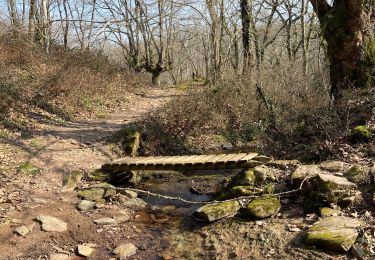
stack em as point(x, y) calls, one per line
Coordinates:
point(212, 161)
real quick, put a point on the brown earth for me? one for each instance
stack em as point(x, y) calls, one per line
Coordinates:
point(77, 145)
point(163, 232)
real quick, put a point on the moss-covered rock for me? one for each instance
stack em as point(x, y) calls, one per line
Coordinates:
point(360, 134)
point(358, 174)
point(71, 180)
point(334, 233)
point(243, 178)
point(99, 175)
point(98, 192)
point(216, 211)
point(328, 212)
point(130, 141)
point(330, 189)
point(263, 207)
point(264, 173)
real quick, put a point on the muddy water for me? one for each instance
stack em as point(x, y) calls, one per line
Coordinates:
point(183, 232)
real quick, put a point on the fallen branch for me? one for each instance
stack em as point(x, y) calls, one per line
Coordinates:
point(243, 198)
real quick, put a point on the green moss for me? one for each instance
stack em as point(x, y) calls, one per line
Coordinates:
point(70, 180)
point(131, 140)
point(263, 207)
point(360, 134)
point(357, 174)
point(243, 178)
point(326, 239)
point(328, 212)
point(98, 175)
point(370, 50)
point(216, 211)
point(28, 168)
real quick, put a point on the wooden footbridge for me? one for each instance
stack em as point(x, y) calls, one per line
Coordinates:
point(187, 162)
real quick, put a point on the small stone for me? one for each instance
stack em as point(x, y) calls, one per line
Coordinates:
point(134, 202)
point(121, 218)
point(71, 181)
point(334, 233)
point(328, 212)
point(52, 224)
point(105, 221)
point(59, 257)
point(216, 211)
point(85, 250)
point(357, 252)
point(22, 231)
point(263, 207)
point(16, 221)
point(332, 166)
point(85, 205)
point(125, 250)
point(39, 201)
point(131, 194)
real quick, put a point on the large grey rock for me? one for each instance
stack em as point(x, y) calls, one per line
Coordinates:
point(71, 180)
point(85, 205)
point(304, 172)
point(328, 188)
point(332, 166)
point(216, 211)
point(124, 251)
point(52, 224)
point(263, 207)
point(334, 233)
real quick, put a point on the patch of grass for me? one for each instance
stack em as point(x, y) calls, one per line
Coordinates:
point(28, 168)
point(4, 134)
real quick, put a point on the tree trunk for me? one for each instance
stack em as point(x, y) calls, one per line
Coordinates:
point(156, 77)
point(246, 9)
point(350, 43)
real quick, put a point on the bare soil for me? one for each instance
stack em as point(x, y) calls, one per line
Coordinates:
point(163, 232)
point(77, 145)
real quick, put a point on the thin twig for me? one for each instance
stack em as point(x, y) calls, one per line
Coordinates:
point(149, 193)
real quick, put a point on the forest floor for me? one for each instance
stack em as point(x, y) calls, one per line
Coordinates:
point(32, 170)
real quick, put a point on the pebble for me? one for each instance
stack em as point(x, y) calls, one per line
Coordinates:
point(52, 224)
point(59, 257)
point(125, 250)
point(22, 231)
point(85, 250)
point(85, 205)
point(121, 218)
point(105, 221)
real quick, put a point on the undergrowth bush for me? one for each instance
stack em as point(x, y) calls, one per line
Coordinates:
point(286, 115)
point(65, 82)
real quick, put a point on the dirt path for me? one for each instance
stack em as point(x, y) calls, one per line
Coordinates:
point(78, 145)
